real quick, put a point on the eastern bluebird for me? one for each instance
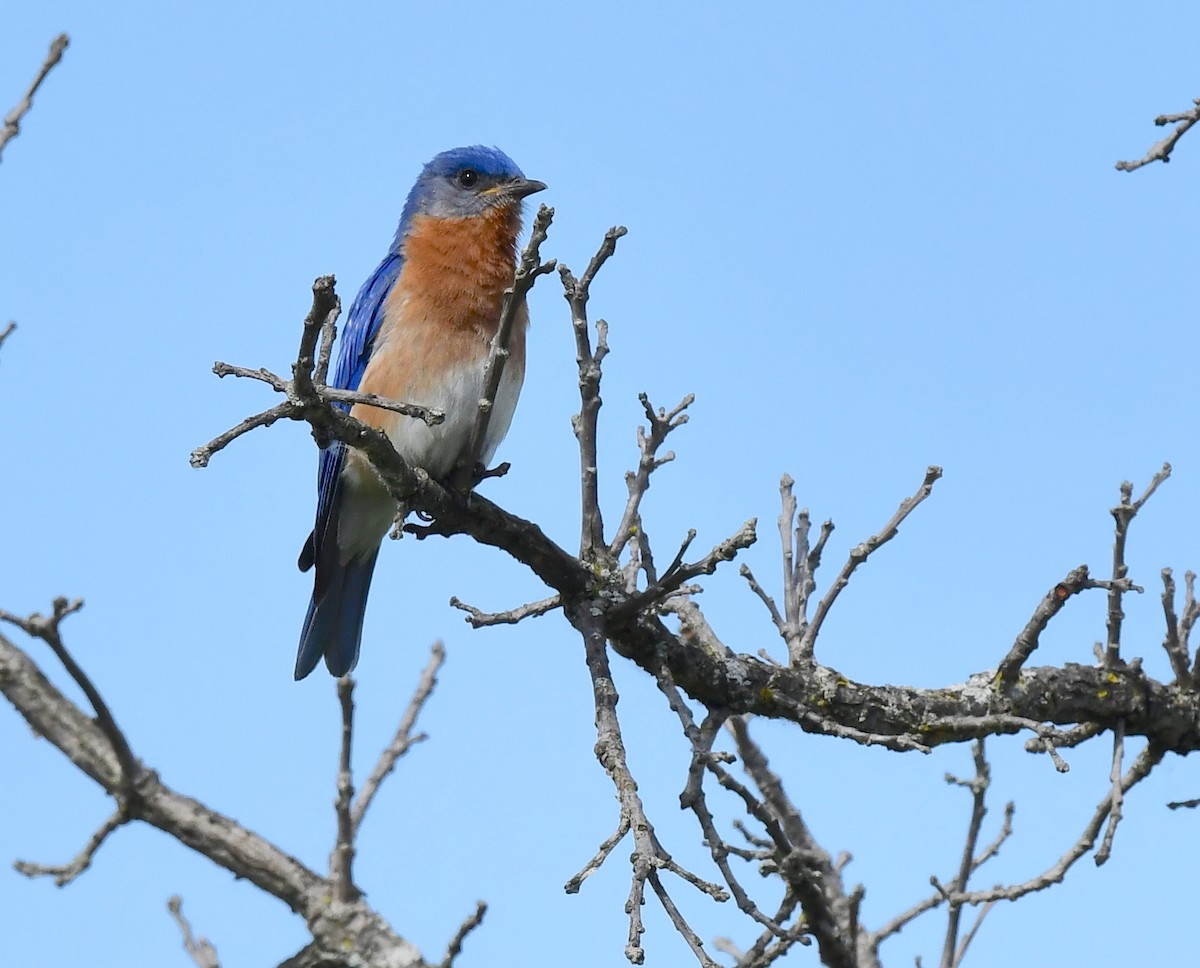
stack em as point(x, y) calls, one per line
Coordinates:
point(419, 330)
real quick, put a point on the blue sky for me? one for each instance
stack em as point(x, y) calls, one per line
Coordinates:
point(869, 237)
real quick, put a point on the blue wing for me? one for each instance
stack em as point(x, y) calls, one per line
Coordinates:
point(354, 351)
point(333, 626)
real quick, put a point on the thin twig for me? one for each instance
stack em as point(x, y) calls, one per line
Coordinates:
point(693, 798)
point(768, 948)
point(767, 600)
point(341, 861)
point(606, 847)
point(829, 912)
point(430, 416)
point(64, 874)
point(199, 948)
point(1117, 796)
point(661, 423)
point(970, 935)
point(978, 786)
point(297, 409)
point(12, 121)
point(577, 293)
point(470, 923)
point(404, 739)
point(7, 329)
point(47, 629)
point(1150, 756)
point(1175, 646)
point(685, 929)
point(1076, 581)
point(511, 616)
point(860, 553)
point(649, 856)
point(1123, 514)
point(678, 573)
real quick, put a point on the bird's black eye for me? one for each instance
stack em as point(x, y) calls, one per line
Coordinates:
point(468, 177)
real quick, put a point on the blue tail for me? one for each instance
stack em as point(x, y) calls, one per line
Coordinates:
point(333, 626)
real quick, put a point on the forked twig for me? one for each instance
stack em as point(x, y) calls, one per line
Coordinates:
point(1161, 150)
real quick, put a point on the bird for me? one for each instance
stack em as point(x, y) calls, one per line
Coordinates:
point(419, 331)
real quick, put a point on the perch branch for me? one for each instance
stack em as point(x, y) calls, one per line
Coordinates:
point(307, 395)
point(529, 267)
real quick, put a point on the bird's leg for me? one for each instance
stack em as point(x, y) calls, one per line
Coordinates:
point(402, 512)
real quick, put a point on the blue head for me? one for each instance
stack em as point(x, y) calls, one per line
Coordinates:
point(464, 182)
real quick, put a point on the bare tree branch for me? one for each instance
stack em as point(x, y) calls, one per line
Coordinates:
point(12, 121)
point(78, 736)
point(1161, 150)
point(219, 838)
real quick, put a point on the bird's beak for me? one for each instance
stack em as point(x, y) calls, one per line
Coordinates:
point(520, 187)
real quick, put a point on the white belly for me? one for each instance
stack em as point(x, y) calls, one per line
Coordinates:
point(366, 508)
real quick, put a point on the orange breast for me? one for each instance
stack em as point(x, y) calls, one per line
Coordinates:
point(456, 270)
point(442, 312)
